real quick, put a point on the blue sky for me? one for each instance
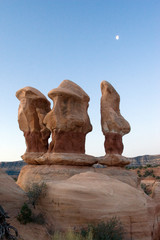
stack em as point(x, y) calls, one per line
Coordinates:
point(44, 42)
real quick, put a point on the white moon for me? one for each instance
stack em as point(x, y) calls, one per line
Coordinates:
point(117, 37)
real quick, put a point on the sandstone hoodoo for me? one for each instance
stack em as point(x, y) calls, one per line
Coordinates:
point(68, 120)
point(114, 126)
point(32, 110)
point(79, 193)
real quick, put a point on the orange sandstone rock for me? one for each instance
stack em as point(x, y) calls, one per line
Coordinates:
point(32, 110)
point(114, 126)
point(68, 120)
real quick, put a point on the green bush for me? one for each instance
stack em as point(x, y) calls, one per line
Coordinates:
point(35, 193)
point(149, 165)
point(148, 173)
point(70, 235)
point(146, 189)
point(111, 230)
point(25, 214)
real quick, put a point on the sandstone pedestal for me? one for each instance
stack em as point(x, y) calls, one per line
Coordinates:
point(114, 160)
point(73, 159)
point(78, 196)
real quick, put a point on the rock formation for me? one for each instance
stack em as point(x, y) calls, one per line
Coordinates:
point(68, 121)
point(79, 196)
point(78, 193)
point(12, 198)
point(114, 126)
point(32, 110)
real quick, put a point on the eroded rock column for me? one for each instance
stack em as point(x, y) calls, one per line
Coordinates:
point(114, 126)
point(32, 110)
point(68, 120)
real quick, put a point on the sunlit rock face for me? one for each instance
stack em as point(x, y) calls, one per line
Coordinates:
point(114, 126)
point(68, 120)
point(32, 110)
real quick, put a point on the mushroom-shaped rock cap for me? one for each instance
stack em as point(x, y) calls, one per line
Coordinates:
point(69, 88)
point(107, 89)
point(30, 92)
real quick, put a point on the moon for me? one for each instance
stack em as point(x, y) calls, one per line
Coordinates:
point(117, 37)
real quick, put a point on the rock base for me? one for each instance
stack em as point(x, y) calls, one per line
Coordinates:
point(114, 160)
point(43, 173)
point(73, 159)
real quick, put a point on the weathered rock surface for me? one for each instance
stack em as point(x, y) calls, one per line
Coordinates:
point(74, 159)
point(32, 110)
point(111, 119)
point(45, 173)
point(68, 120)
point(114, 126)
point(11, 199)
point(113, 160)
point(10, 194)
point(92, 197)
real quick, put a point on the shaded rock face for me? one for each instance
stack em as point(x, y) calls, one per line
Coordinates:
point(12, 199)
point(68, 120)
point(67, 142)
point(114, 126)
point(113, 143)
point(32, 110)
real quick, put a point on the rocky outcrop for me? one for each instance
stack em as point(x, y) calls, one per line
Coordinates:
point(76, 199)
point(113, 160)
point(12, 197)
point(43, 173)
point(152, 160)
point(114, 126)
point(73, 159)
point(32, 110)
point(68, 120)
point(78, 193)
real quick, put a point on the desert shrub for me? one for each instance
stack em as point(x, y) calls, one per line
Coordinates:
point(148, 173)
point(157, 177)
point(149, 165)
point(71, 235)
point(146, 189)
point(36, 192)
point(25, 214)
point(111, 230)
